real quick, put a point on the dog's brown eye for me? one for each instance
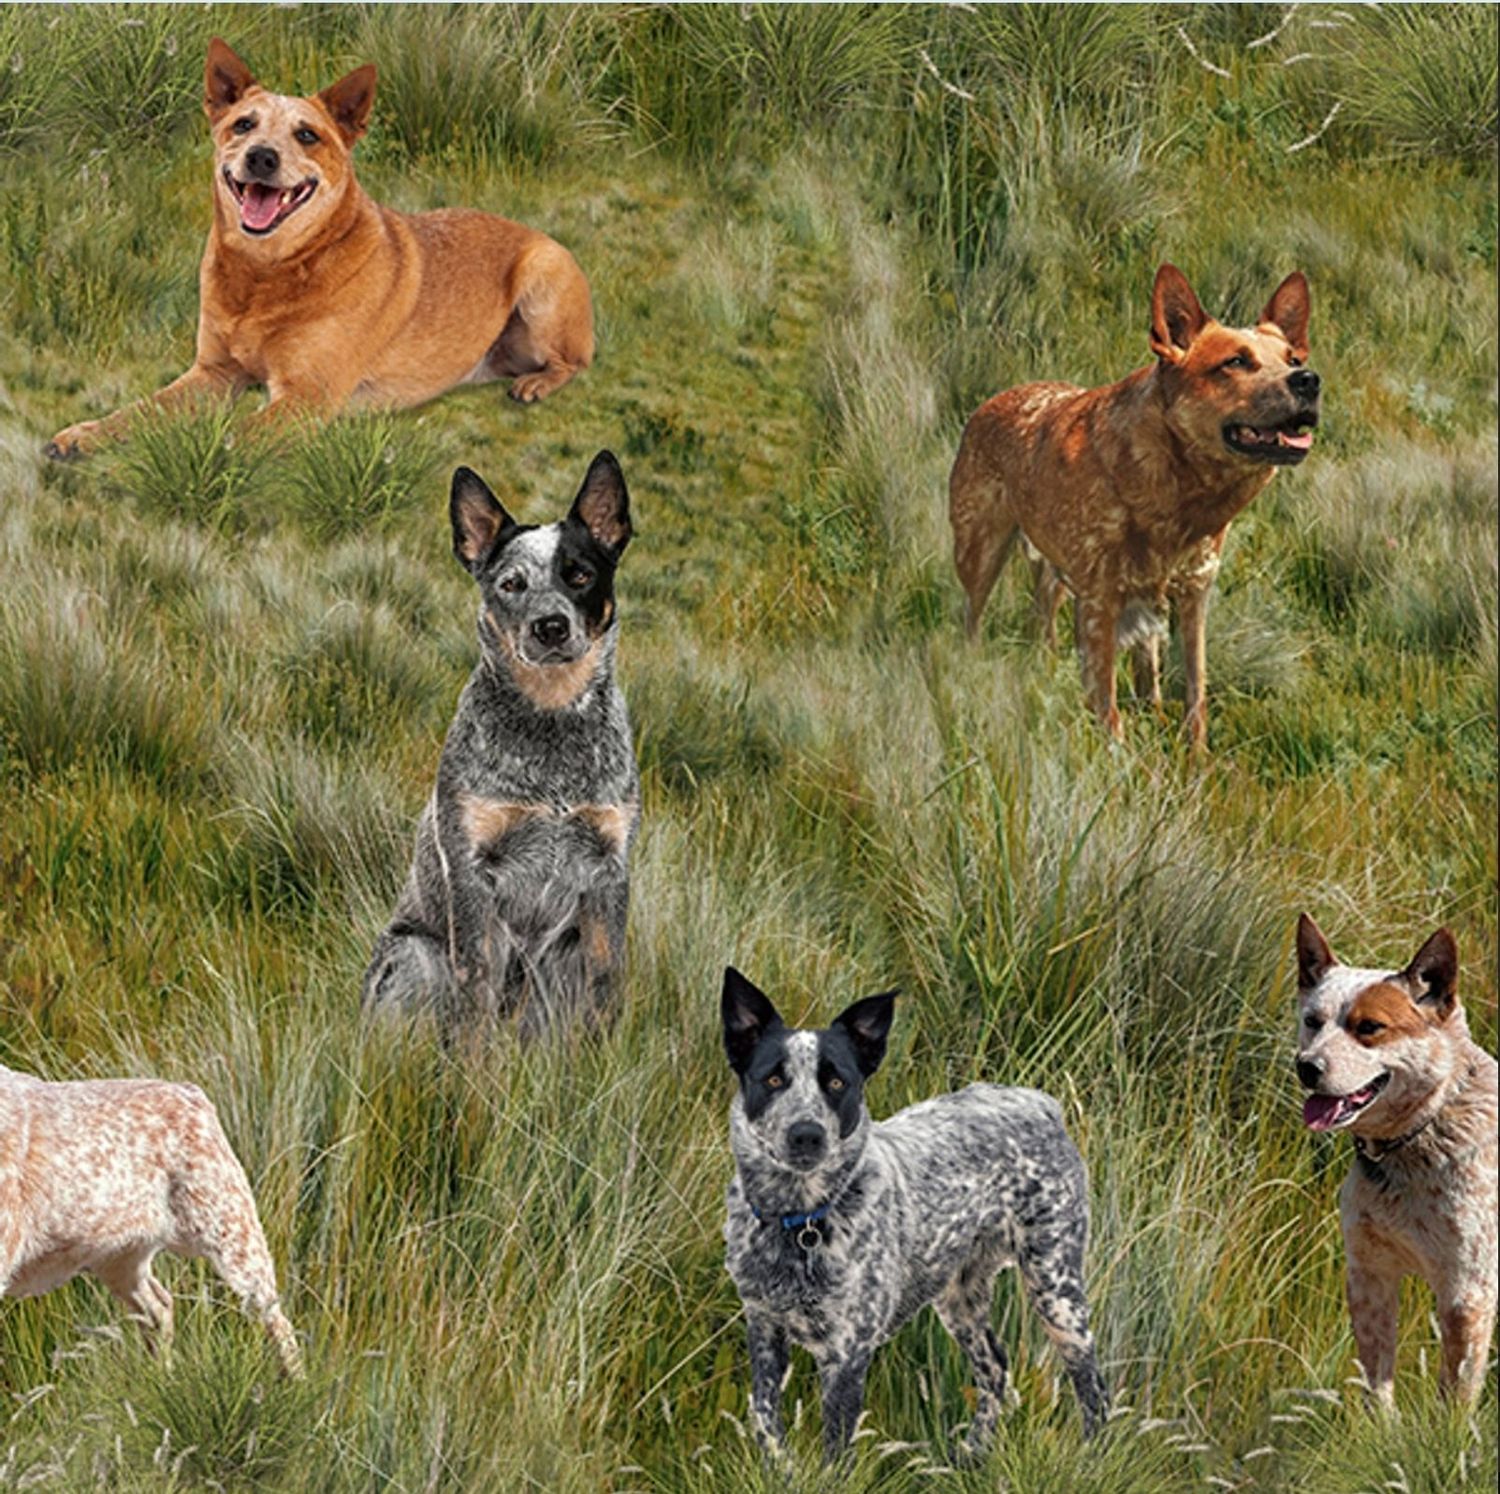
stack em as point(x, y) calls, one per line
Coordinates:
point(513, 584)
point(1240, 360)
point(1295, 362)
point(1367, 1028)
point(578, 578)
point(243, 126)
point(774, 1081)
point(305, 136)
point(835, 1084)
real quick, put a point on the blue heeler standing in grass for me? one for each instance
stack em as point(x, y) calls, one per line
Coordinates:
point(840, 1228)
point(516, 898)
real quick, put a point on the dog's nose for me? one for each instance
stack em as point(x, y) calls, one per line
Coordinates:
point(805, 1141)
point(550, 630)
point(1304, 383)
point(261, 161)
point(1310, 1071)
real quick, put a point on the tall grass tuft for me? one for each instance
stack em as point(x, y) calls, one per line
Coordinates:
point(1419, 83)
point(198, 466)
point(502, 85)
point(358, 475)
point(70, 694)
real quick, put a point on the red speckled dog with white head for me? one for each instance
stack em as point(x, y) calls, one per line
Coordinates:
point(1127, 491)
point(1388, 1057)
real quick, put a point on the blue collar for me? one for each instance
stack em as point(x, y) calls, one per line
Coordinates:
point(795, 1221)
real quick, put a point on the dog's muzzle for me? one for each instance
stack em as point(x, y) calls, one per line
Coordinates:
point(1285, 442)
point(1333, 1112)
point(261, 163)
point(806, 1141)
point(551, 631)
point(1305, 384)
point(263, 205)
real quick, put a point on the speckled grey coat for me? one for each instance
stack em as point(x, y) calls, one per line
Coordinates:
point(840, 1228)
point(517, 893)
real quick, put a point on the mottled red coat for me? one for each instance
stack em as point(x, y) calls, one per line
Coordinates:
point(1126, 491)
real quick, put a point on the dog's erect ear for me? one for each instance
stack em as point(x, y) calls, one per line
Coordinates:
point(748, 1017)
point(349, 101)
point(1433, 974)
point(867, 1024)
point(1288, 310)
point(603, 506)
point(226, 80)
point(1313, 954)
point(1176, 316)
point(478, 519)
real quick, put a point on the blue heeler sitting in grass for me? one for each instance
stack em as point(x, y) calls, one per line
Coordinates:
point(516, 898)
point(840, 1228)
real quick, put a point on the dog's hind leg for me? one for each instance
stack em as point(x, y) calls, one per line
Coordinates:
point(1051, 1262)
point(1047, 593)
point(218, 1220)
point(246, 1268)
point(409, 972)
point(964, 1308)
point(549, 335)
point(1146, 658)
point(1140, 630)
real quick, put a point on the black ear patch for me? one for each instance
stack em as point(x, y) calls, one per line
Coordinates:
point(585, 572)
point(867, 1024)
point(603, 505)
point(479, 520)
point(747, 1016)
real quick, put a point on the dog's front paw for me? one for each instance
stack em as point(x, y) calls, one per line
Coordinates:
point(777, 1461)
point(75, 441)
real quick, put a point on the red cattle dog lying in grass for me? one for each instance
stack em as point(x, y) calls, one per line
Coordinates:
point(314, 290)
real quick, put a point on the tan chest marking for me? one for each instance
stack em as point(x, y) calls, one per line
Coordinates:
point(488, 821)
point(549, 687)
point(611, 822)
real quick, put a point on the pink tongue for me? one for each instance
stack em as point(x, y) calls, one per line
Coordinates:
point(1302, 442)
point(1319, 1112)
point(259, 205)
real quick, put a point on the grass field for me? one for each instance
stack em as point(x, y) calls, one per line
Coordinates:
point(817, 238)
